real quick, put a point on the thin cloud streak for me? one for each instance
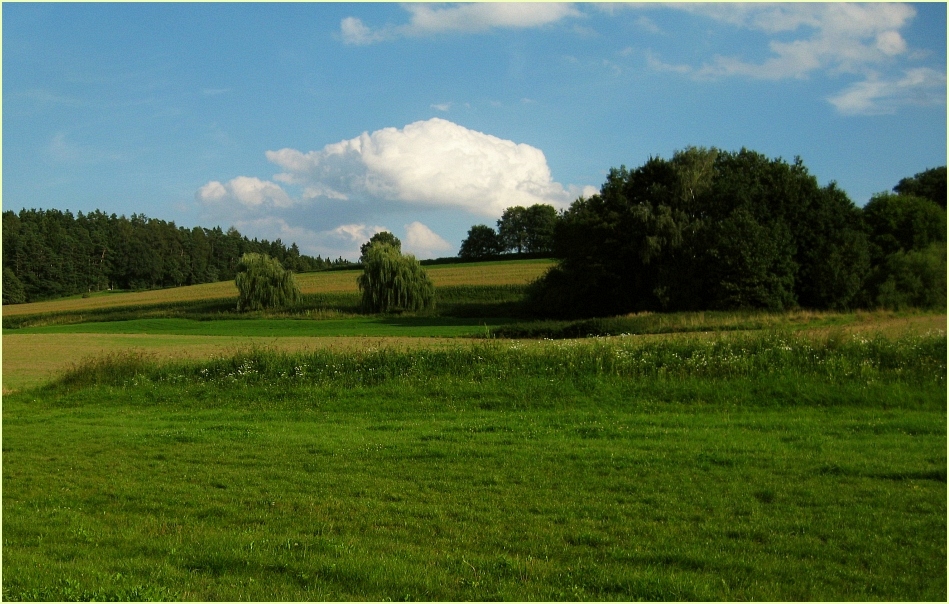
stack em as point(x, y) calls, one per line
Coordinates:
point(466, 18)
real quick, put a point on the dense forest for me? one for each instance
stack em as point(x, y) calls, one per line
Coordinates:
point(51, 253)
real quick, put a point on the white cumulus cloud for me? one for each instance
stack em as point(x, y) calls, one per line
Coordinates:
point(339, 194)
point(422, 241)
point(356, 233)
point(433, 163)
point(247, 191)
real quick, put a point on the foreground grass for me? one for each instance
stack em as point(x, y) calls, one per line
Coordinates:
point(767, 467)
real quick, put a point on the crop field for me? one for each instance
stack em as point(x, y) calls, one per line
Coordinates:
point(169, 451)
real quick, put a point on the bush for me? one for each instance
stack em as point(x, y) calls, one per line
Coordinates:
point(392, 282)
point(262, 283)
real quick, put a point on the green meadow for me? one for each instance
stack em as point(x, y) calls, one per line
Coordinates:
point(699, 457)
point(352, 326)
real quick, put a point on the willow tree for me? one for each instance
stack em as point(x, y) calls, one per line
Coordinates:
point(262, 283)
point(391, 282)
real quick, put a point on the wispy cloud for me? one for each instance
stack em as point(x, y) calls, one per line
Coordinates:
point(878, 96)
point(832, 39)
point(466, 18)
point(63, 149)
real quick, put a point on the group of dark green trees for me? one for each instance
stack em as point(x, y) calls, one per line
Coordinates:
point(51, 253)
point(521, 230)
point(709, 229)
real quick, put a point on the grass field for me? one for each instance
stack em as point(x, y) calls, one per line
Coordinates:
point(757, 467)
point(169, 449)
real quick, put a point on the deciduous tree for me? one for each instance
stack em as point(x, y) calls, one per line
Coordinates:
point(391, 282)
point(384, 237)
point(262, 283)
point(482, 242)
point(930, 184)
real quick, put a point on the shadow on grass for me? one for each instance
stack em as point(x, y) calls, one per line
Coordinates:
point(440, 321)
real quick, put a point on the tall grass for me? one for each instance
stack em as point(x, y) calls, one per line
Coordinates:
point(837, 357)
point(683, 322)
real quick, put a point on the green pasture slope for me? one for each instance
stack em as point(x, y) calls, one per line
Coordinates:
point(767, 467)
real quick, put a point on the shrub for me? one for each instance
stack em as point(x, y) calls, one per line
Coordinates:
point(262, 283)
point(392, 282)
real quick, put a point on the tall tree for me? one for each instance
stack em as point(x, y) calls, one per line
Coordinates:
point(930, 184)
point(53, 253)
point(391, 282)
point(384, 237)
point(482, 242)
point(540, 220)
point(512, 228)
point(262, 283)
point(902, 222)
point(907, 237)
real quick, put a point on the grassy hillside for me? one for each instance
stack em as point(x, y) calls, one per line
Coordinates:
point(500, 273)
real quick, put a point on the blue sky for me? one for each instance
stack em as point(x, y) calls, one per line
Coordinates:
point(325, 123)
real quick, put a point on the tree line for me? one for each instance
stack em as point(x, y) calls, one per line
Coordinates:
point(709, 229)
point(53, 253)
point(520, 230)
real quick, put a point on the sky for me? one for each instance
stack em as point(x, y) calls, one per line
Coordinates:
point(322, 124)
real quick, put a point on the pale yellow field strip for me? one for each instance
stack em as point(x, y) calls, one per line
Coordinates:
point(328, 282)
point(33, 359)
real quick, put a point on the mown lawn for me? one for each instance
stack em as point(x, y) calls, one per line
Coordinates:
point(768, 467)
